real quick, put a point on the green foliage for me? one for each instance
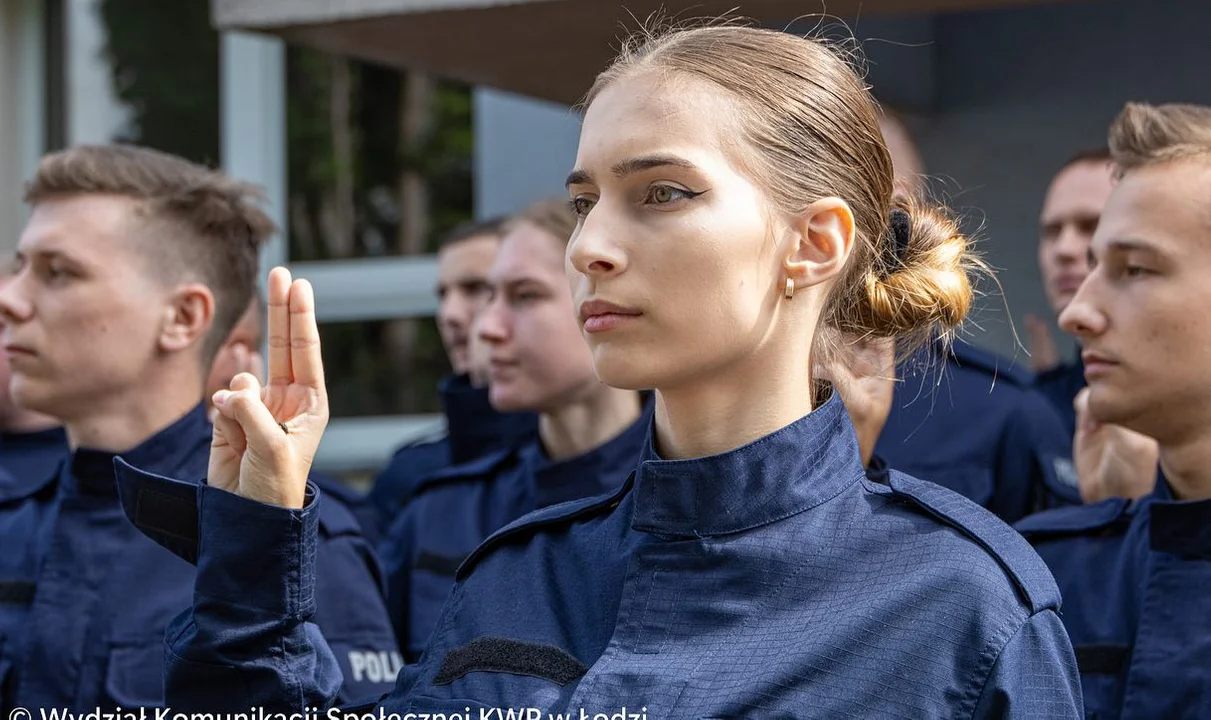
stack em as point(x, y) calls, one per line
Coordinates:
point(165, 62)
point(164, 55)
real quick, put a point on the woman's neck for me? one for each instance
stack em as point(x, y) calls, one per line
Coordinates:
point(588, 422)
point(729, 409)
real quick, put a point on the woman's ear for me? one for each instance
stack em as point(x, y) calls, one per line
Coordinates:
point(825, 238)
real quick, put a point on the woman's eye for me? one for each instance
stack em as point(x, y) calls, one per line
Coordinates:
point(665, 194)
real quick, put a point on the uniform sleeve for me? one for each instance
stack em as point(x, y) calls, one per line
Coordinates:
point(1035, 675)
point(248, 640)
point(1034, 462)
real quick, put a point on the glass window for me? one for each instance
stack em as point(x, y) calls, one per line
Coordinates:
point(379, 164)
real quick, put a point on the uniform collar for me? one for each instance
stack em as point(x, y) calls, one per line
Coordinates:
point(792, 470)
point(474, 427)
point(91, 472)
point(1181, 528)
point(598, 471)
point(55, 437)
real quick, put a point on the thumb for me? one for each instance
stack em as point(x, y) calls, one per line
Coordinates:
point(243, 404)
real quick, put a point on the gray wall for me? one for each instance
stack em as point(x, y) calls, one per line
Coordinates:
point(997, 100)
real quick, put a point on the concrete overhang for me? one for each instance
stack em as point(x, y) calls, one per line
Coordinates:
point(549, 49)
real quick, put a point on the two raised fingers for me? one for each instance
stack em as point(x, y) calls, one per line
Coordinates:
point(294, 336)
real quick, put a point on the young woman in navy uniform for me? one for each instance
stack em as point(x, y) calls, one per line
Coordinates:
point(735, 210)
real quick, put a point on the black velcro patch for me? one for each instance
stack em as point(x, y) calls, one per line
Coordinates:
point(16, 592)
point(516, 657)
point(168, 514)
point(1101, 659)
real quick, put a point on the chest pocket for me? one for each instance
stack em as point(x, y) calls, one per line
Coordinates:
point(973, 483)
point(134, 676)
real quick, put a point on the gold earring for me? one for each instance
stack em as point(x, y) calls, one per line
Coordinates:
point(790, 289)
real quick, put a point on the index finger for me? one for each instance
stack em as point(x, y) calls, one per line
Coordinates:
point(278, 327)
point(306, 360)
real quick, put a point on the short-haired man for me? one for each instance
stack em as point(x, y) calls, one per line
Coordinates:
point(1135, 574)
point(133, 269)
point(1070, 214)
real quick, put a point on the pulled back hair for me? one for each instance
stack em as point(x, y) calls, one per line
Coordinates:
point(1144, 135)
point(192, 223)
point(809, 129)
point(552, 215)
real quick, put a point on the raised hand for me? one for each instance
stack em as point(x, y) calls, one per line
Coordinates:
point(1111, 461)
point(265, 438)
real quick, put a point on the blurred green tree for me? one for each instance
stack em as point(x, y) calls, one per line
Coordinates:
point(379, 163)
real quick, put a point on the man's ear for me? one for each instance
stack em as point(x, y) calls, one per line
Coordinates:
point(188, 316)
point(824, 235)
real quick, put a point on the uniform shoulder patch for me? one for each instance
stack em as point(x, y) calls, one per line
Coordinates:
point(1108, 515)
point(1021, 563)
point(551, 516)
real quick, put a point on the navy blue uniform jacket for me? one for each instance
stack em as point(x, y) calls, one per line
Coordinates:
point(473, 428)
point(774, 580)
point(33, 456)
point(1136, 581)
point(969, 422)
point(1061, 384)
point(85, 597)
point(454, 510)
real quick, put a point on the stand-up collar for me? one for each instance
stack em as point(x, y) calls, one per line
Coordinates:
point(91, 472)
point(1182, 528)
point(598, 471)
point(473, 426)
point(794, 469)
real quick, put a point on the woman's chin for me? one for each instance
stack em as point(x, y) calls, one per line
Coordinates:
point(623, 371)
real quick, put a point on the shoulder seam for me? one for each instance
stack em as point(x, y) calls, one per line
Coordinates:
point(1034, 598)
point(532, 523)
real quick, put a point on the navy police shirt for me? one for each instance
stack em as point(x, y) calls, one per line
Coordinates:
point(774, 580)
point(966, 420)
point(473, 428)
point(1136, 581)
point(85, 597)
point(452, 511)
point(33, 456)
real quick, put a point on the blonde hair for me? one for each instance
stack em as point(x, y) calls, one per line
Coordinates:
point(192, 221)
point(1144, 135)
point(812, 130)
